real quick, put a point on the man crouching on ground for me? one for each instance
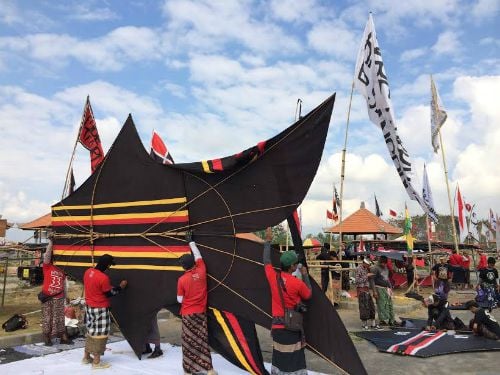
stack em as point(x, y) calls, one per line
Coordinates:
point(98, 290)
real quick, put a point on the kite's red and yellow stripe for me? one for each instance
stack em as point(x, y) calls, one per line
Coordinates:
point(243, 354)
point(66, 215)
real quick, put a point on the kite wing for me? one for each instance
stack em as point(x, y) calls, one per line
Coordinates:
point(138, 211)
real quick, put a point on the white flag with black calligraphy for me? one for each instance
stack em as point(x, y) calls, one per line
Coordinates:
point(438, 115)
point(371, 81)
point(426, 191)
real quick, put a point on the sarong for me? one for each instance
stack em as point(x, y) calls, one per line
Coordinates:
point(491, 295)
point(458, 275)
point(288, 353)
point(483, 331)
point(366, 305)
point(195, 350)
point(442, 288)
point(154, 332)
point(97, 321)
point(384, 305)
point(53, 317)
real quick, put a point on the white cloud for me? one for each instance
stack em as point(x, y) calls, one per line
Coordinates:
point(110, 52)
point(490, 41)
point(207, 26)
point(447, 44)
point(86, 12)
point(335, 39)
point(298, 11)
point(413, 54)
point(12, 16)
point(482, 9)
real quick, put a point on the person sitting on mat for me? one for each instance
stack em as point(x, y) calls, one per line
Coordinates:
point(438, 313)
point(483, 323)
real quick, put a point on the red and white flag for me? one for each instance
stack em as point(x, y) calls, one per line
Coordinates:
point(393, 213)
point(159, 150)
point(329, 215)
point(462, 225)
point(89, 137)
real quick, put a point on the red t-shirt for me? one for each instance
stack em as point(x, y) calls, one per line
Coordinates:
point(483, 262)
point(192, 286)
point(456, 260)
point(53, 280)
point(296, 291)
point(96, 283)
point(466, 262)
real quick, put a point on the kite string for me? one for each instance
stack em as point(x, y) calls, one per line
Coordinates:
point(344, 372)
point(231, 216)
point(222, 251)
point(239, 295)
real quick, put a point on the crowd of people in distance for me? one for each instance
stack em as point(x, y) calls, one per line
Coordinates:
point(373, 283)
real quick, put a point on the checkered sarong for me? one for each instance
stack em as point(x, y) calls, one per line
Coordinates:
point(97, 321)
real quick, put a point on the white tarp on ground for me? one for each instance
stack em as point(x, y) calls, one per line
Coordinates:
point(122, 360)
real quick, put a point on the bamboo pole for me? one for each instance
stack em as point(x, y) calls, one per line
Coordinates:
point(342, 173)
point(434, 94)
point(333, 199)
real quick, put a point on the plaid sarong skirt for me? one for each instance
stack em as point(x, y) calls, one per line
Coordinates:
point(97, 321)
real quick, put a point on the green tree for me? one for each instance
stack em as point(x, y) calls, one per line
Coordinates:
point(279, 235)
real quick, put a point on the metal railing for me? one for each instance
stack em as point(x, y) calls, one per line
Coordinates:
point(4, 268)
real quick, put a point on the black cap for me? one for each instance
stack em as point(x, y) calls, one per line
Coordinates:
point(187, 261)
point(105, 261)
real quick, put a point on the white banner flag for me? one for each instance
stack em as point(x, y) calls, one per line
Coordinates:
point(426, 191)
point(371, 81)
point(498, 236)
point(438, 115)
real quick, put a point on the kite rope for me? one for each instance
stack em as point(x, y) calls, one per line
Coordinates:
point(240, 295)
point(224, 252)
point(344, 372)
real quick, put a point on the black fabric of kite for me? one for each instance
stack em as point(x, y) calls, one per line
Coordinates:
point(138, 211)
point(419, 343)
point(236, 339)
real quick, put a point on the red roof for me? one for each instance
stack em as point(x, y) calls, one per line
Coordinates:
point(364, 222)
point(44, 221)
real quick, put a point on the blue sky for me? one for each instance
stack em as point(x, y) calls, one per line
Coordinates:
point(216, 77)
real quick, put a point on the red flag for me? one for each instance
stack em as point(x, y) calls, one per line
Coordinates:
point(393, 213)
point(89, 137)
point(361, 247)
point(461, 215)
point(159, 150)
point(329, 215)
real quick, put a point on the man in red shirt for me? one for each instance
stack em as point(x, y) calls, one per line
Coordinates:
point(54, 285)
point(98, 290)
point(456, 263)
point(288, 346)
point(192, 295)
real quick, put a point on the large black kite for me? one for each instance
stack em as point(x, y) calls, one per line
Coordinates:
point(138, 211)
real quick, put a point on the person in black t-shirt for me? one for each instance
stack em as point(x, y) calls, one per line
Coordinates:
point(325, 275)
point(483, 324)
point(441, 275)
point(438, 313)
point(488, 281)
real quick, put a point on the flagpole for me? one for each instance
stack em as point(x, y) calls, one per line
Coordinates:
point(333, 208)
point(434, 95)
point(74, 149)
point(342, 175)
